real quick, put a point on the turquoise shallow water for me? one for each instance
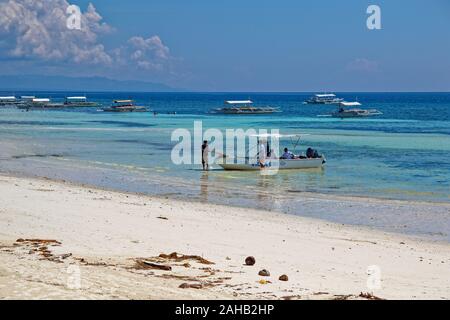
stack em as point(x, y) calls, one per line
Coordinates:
point(403, 154)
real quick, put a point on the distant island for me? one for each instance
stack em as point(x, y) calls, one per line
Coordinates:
point(81, 84)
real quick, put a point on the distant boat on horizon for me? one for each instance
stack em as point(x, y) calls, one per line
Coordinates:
point(324, 98)
point(342, 112)
point(124, 106)
point(79, 102)
point(8, 101)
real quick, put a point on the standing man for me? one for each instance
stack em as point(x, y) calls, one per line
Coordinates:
point(205, 154)
point(262, 154)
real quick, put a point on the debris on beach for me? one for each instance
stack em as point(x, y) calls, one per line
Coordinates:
point(283, 278)
point(250, 261)
point(293, 297)
point(41, 247)
point(320, 293)
point(181, 257)
point(191, 285)
point(39, 241)
point(162, 218)
point(142, 264)
point(262, 281)
point(264, 273)
point(369, 296)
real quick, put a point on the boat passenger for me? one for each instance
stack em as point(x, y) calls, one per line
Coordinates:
point(287, 154)
point(312, 153)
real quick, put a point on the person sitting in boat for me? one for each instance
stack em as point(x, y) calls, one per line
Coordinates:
point(312, 153)
point(287, 154)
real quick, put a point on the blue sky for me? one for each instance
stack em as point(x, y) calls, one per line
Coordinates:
point(250, 45)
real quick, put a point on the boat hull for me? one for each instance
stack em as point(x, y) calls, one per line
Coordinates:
point(356, 114)
point(277, 164)
point(81, 104)
point(121, 109)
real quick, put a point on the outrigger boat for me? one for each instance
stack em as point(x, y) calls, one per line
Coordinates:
point(8, 101)
point(325, 98)
point(39, 104)
point(248, 164)
point(354, 112)
point(79, 102)
point(244, 107)
point(125, 106)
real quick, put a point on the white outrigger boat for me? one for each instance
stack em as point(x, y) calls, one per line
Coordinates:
point(354, 112)
point(244, 107)
point(8, 101)
point(125, 106)
point(32, 103)
point(79, 102)
point(249, 164)
point(324, 98)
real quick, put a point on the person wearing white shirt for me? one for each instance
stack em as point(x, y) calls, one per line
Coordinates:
point(287, 154)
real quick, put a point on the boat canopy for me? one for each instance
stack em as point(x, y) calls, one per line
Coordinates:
point(41, 100)
point(350, 104)
point(239, 102)
point(76, 98)
point(8, 98)
point(325, 95)
point(27, 97)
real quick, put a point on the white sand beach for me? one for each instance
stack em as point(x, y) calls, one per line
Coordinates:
point(107, 246)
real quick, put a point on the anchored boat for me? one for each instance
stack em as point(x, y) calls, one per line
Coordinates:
point(125, 106)
point(244, 107)
point(342, 112)
point(29, 103)
point(267, 162)
point(8, 101)
point(324, 98)
point(79, 102)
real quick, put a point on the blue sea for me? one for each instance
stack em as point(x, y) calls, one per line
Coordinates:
point(403, 154)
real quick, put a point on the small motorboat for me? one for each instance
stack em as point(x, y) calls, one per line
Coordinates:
point(279, 164)
point(254, 163)
point(124, 106)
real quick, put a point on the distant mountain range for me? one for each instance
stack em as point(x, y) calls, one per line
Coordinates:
point(80, 84)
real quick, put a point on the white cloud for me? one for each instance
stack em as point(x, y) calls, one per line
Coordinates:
point(37, 29)
point(148, 53)
point(363, 64)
